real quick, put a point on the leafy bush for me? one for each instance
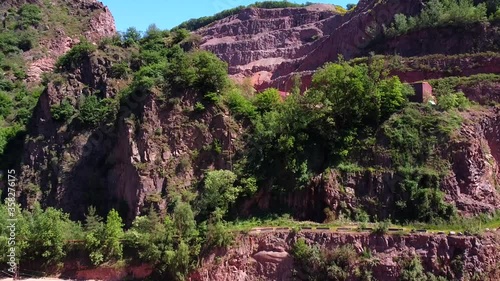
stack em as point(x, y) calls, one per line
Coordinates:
point(219, 191)
point(48, 231)
point(75, 56)
point(63, 111)
point(6, 134)
point(29, 15)
point(268, 100)
point(239, 105)
point(315, 264)
point(93, 111)
point(439, 13)
point(452, 100)
point(131, 36)
point(199, 107)
point(103, 241)
point(381, 227)
point(5, 105)
point(120, 70)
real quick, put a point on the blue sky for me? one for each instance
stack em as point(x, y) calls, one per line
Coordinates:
point(169, 13)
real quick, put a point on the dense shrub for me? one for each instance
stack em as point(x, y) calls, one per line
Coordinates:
point(5, 105)
point(131, 36)
point(48, 231)
point(439, 13)
point(219, 191)
point(29, 15)
point(93, 111)
point(63, 111)
point(240, 106)
point(120, 70)
point(268, 100)
point(103, 240)
point(75, 56)
point(312, 263)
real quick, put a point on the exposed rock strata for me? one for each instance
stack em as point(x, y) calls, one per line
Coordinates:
point(267, 256)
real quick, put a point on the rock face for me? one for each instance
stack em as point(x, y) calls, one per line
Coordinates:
point(271, 45)
point(267, 256)
point(129, 164)
point(94, 21)
point(256, 42)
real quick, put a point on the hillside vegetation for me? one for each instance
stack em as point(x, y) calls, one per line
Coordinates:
point(354, 121)
point(444, 13)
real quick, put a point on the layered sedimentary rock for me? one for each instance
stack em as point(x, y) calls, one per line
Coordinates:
point(270, 45)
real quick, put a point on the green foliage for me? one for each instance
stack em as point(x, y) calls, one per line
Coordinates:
point(211, 72)
point(268, 100)
point(416, 138)
point(75, 56)
point(452, 100)
point(382, 227)
point(184, 221)
point(48, 230)
point(93, 111)
point(63, 111)
point(6, 134)
point(439, 13)
point(29, 15)
point(120, 70)
point(199, 107)
point(103, 241)
point(315, 264)
point(239, 105)
point(219, 191)
point(350, 6)
point(113, 232)
point(131, 36)
point(413, 270)
point(5, 105)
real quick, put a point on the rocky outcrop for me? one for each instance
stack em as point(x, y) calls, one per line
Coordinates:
point(271, 45)
point(154, 148)
point(255, 42)
point(268, 256)
point(95, 22)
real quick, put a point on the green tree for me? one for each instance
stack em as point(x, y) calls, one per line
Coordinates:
point(350, 6)
point(183, 218)
point(48, 230)
point(76, 55)
point(93, 221)
point(131, 36)
point(211, 72)
point(268, 100)
point(114, 233)
point(219, 191)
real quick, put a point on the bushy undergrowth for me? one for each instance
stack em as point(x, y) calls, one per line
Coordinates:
point(441, 13)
